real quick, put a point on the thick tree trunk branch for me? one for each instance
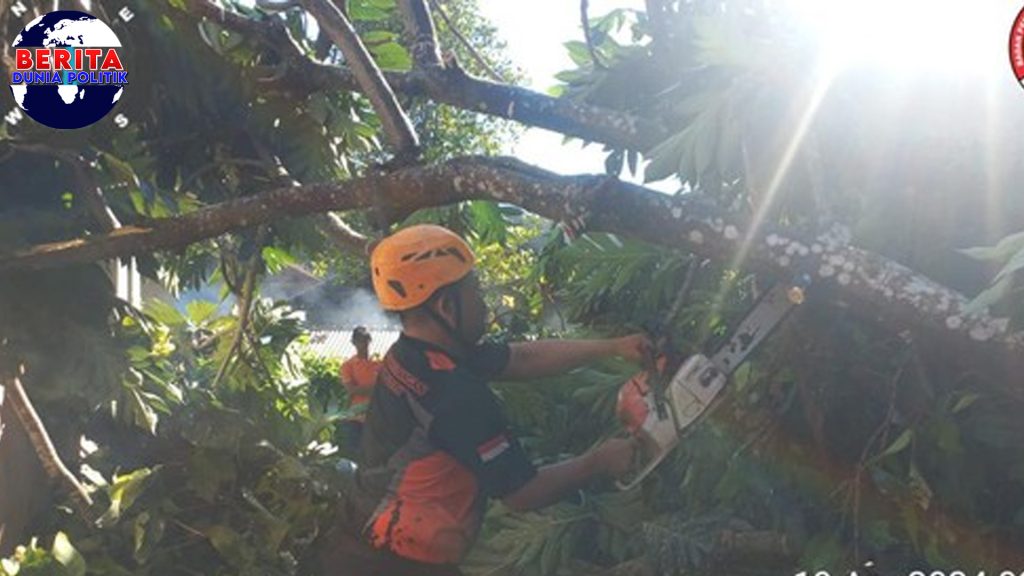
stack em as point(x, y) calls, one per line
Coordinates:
point(895, 295)
point(422, 35)
point(393, 119)
point(454, 87)
point(44, 449)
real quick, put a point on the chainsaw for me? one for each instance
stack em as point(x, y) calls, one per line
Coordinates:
point(659, 413)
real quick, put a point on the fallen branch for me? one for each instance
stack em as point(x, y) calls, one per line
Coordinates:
point(245, 299)
point(886, 291)
point(341, 234)
point(491, 72)
point(52, 464)
point(423, 36)
point(450, 85)
point(396, 124)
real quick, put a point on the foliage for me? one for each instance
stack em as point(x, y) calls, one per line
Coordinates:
point(231, 478)
point(208, 444)
point(1009, 255)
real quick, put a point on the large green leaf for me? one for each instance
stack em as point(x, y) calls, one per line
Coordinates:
point(68, 557)
point(123, 492)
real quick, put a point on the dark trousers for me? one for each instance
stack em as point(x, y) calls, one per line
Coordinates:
point(350, 438)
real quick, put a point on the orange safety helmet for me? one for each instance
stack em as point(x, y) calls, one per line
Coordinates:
point(411, 264)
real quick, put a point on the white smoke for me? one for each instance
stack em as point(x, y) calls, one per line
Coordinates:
point(359, 309)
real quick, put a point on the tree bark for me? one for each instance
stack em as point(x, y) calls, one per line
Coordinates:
point(423, 37)
point(342, 235)
point(24, 490)
point(885, 290)
point(40, 441)
point(452, 86)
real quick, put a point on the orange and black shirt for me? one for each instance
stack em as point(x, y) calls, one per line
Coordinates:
point(362, 372)
point(435, 424)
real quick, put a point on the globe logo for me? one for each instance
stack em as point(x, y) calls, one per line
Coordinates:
point(69, 72)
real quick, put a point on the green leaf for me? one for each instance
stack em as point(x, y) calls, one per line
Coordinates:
point(378, 36)
point(897, 445)
point(362, 11)
point(1001, 252)
point(123, 491)
point(199, 311)
point(66, 554)
point(391, 56)
point(277, 259)
point(486, 219)
point(1015, 264)
point(665, 157)
point(578, 52)
point(164, 313)
point(965, 402)
point(142, 413)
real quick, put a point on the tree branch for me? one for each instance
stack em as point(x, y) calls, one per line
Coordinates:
point(450, 86)
point(455, 87)
point(585, 23)
point(341, 234)
point(396, 124)
point(44, 449)
point(423, 36)
point(491, 72)
point(890, 293)
point(245, 300)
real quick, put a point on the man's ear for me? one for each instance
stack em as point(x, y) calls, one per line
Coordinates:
point(446, 304)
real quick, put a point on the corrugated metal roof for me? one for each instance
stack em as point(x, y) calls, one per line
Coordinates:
point(338, 343)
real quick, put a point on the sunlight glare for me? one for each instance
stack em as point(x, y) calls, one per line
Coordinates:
point(953, 35)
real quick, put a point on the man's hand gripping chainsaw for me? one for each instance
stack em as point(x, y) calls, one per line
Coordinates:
point(659, 410)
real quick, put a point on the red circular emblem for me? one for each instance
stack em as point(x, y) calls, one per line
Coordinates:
point(1017, 46)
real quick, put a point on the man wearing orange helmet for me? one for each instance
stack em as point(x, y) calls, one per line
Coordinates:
point(435, 426)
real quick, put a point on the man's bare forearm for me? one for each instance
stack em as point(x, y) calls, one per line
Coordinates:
point(550, 357)
point(551, 483)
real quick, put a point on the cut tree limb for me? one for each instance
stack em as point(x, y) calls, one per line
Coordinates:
point(371, 80)
point(889, 292)
point(423, 36)
point(341, 234)
point(451, 86)
point(491, 72)
point(44, 449)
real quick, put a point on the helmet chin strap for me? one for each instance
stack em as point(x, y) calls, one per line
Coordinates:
point(452, 329)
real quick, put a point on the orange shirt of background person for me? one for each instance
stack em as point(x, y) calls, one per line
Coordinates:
point(359, 373)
